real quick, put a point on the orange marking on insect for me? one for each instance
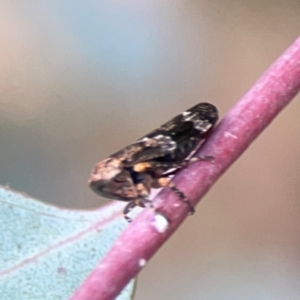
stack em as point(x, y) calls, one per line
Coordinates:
point(141, 167)
point(164, 181)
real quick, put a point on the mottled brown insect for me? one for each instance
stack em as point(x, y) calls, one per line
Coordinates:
point(131, 173)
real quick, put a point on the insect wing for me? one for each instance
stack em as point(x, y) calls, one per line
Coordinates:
point(187, 130)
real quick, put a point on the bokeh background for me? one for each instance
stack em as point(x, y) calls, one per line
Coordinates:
point(82, 79)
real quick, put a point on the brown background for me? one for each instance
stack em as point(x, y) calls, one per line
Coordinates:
point(80, 81)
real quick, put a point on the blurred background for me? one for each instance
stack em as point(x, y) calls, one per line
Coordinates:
point(80, 80)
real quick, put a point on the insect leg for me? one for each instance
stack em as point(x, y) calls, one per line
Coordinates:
point(205, 158)
point(128, 208)
point(166, 182)
point(142, 202)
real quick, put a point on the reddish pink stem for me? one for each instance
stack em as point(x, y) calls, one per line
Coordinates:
point(244, 122)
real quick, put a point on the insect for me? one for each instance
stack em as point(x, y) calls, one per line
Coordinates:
point(130, 174)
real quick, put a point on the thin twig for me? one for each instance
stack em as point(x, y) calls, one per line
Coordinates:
point(244, 122)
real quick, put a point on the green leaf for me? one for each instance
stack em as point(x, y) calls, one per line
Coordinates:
point(46, 252)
